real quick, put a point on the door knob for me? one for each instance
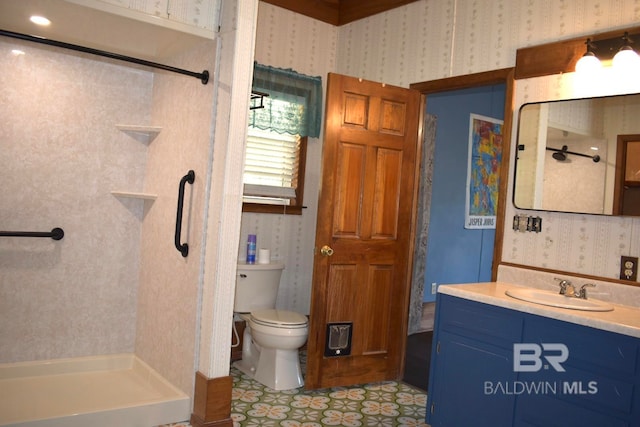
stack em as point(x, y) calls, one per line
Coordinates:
point(326, 250)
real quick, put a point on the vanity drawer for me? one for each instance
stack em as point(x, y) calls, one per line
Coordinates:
point(482, 322)
point(600, 370)
point(590, 349)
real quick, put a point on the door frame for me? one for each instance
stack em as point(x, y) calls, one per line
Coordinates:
point(504, 76)
point(621, 162)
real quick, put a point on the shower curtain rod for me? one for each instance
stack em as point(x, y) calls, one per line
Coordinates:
point(203, 76)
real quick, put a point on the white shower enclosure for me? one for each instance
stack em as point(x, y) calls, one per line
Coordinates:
point(97, 147)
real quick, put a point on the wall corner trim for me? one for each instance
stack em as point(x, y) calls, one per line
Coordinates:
point(212, 402)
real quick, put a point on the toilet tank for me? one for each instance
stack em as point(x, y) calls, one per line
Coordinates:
point(256, 286)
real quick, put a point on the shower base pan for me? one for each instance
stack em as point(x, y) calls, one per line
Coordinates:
point(98, 391)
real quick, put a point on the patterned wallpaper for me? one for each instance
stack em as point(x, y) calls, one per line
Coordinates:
point(432, 39)
point(289, 40)
point(427, 40)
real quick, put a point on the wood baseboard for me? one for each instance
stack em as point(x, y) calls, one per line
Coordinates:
point(212, 402)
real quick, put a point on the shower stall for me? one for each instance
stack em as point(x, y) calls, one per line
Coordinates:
point(99, 327)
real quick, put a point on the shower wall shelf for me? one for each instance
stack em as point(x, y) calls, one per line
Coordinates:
point(152, 131)
point(134, 195)
point(149, 132)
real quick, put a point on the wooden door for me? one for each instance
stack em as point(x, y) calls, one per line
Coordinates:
point(365, 220)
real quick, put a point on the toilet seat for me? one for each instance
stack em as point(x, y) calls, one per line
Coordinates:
point(279, 319)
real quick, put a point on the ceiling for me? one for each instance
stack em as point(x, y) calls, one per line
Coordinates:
point(132, 34)
point(338, 12)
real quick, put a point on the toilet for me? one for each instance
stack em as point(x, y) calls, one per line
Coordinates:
point(271, 337)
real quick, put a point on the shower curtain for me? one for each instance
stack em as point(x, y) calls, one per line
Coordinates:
point(422, 224)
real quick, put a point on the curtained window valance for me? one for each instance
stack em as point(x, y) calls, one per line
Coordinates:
point(294, 104)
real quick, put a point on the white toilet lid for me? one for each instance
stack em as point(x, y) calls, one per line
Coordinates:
point(279, 318)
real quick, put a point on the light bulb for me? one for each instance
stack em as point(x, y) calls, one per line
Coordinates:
point(588, 64)
point(626, 59)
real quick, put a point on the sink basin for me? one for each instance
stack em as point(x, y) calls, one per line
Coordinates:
point(554, 299)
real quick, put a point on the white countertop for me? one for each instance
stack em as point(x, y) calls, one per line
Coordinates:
point(623, 319)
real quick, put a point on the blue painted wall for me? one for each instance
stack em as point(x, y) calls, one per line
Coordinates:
point(455, 254)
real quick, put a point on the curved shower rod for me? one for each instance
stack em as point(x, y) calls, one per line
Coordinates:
point(561, 154)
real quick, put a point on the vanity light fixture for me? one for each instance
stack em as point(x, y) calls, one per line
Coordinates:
point(617, 51)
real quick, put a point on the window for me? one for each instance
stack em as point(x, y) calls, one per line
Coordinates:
point(279, 126)
point(274, 172)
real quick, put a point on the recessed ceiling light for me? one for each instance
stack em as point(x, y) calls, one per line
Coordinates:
point(39, 20)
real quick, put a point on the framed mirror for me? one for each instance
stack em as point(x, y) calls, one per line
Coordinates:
point(579, 156)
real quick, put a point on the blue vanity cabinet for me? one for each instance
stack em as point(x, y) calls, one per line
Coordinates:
point(475, 382)
point(472, 344)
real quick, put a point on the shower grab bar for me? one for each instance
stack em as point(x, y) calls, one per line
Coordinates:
point(183, 248)
point(55, 234)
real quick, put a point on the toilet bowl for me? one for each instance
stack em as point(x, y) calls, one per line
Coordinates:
point(271, 337)
point(275, 337)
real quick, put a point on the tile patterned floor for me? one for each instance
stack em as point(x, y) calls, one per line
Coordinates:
point(388, 404)
point(383, 404)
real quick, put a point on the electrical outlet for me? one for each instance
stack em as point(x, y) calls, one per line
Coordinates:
point(434, 288)
point(629, 268)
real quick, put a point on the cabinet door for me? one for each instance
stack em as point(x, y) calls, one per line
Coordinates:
point(470, 384)
point(472, 364)
point(596, 387)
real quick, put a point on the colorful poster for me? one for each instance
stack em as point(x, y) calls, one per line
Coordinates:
point(483, 171)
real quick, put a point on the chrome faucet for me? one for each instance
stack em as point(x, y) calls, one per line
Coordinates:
point(567, 289)
point(582, 292)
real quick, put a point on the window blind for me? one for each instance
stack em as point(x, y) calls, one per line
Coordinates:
point(271, 165)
